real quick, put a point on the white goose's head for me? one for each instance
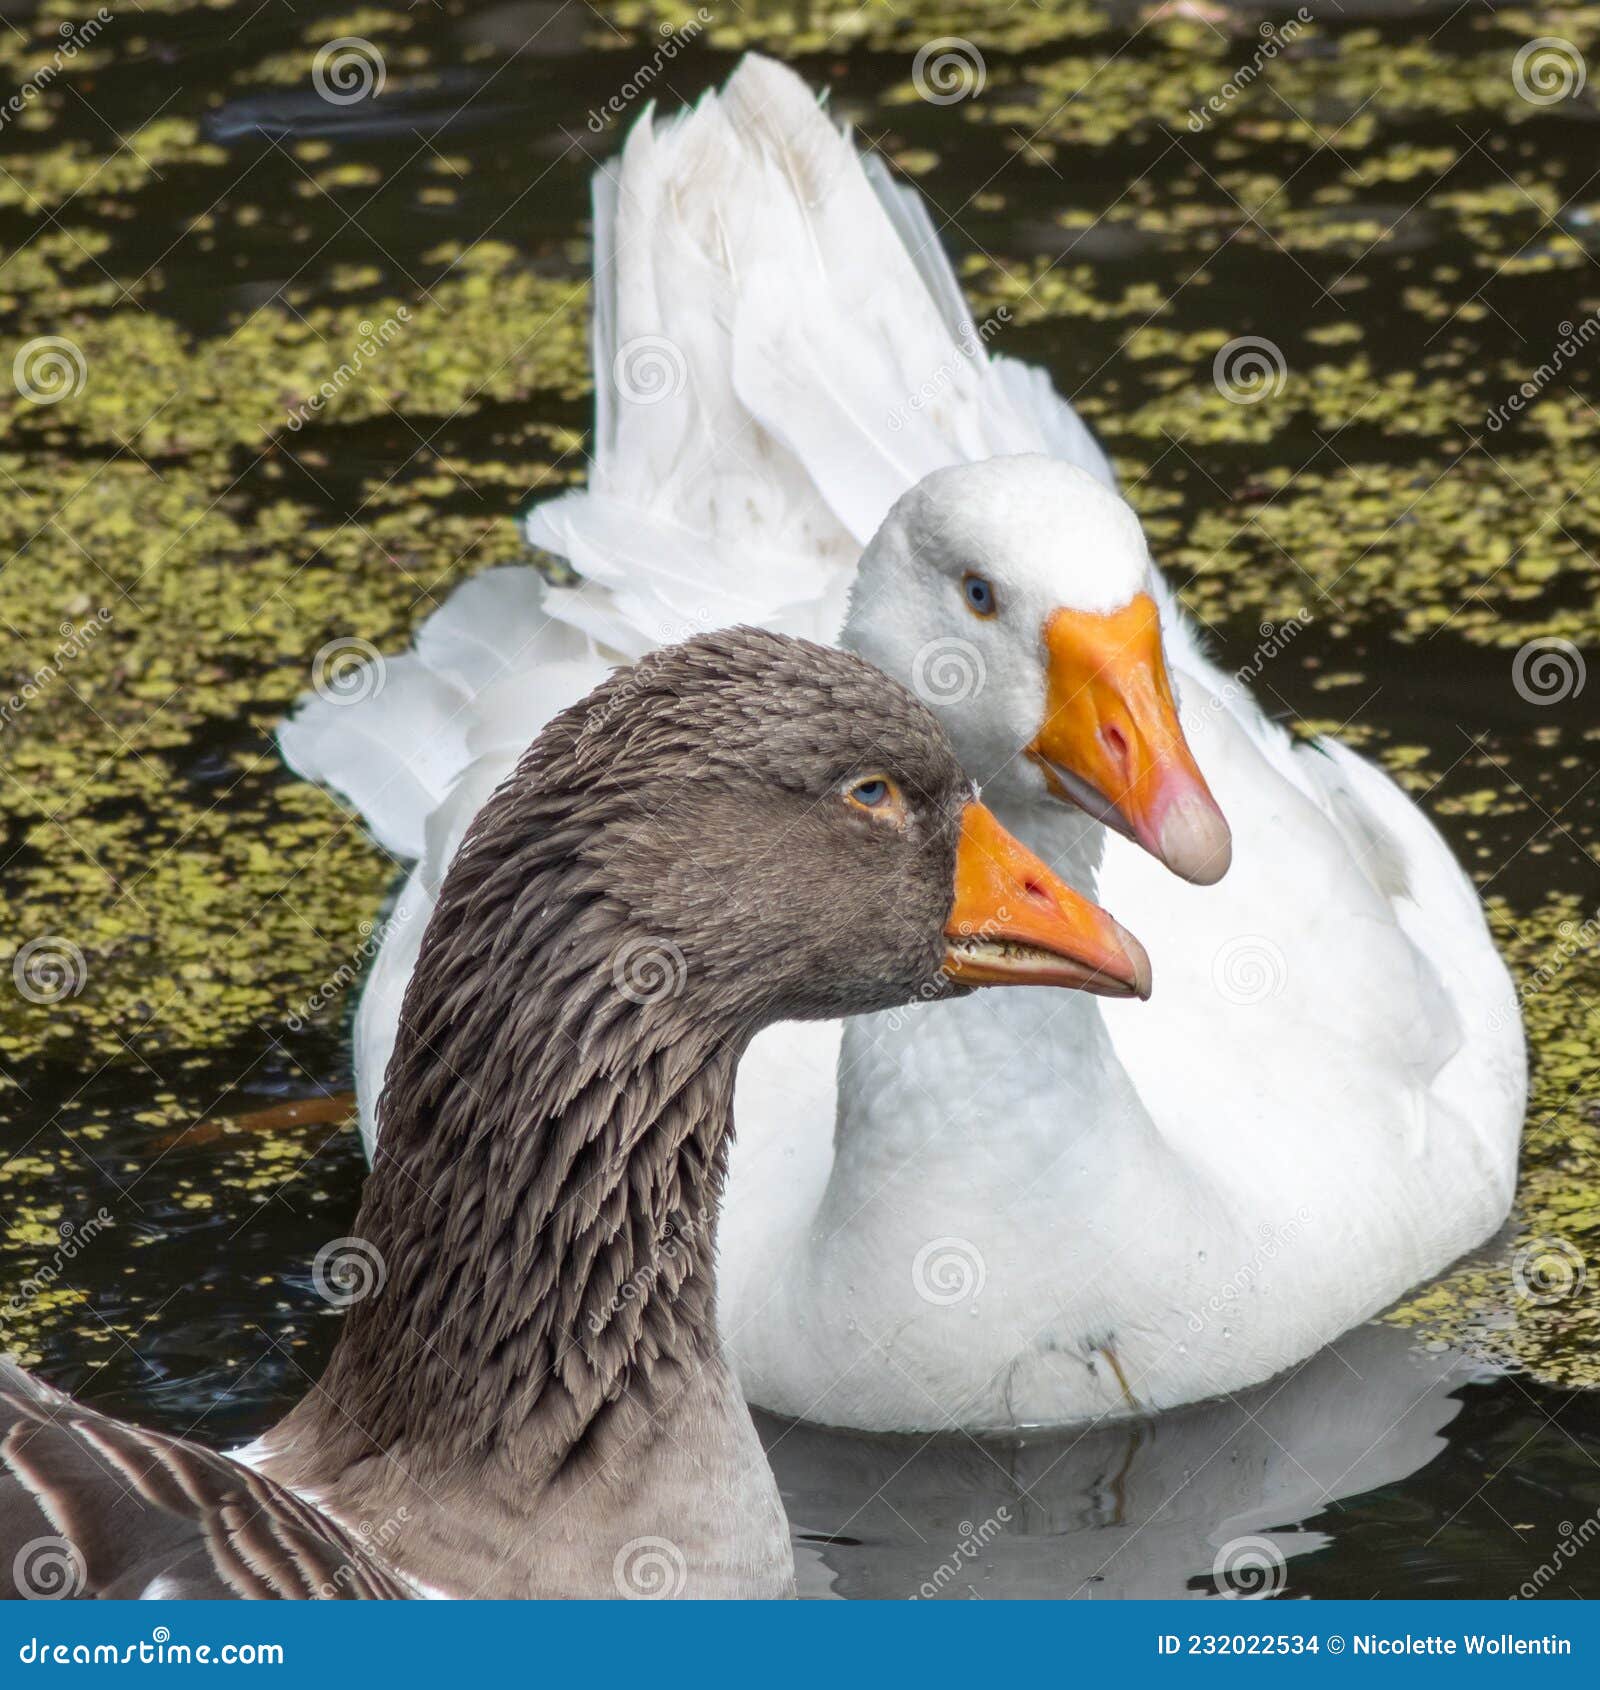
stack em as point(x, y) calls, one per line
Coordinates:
point(1014, 595)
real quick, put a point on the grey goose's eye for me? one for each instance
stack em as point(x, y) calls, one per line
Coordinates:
point(879, 797)
point(978, 591)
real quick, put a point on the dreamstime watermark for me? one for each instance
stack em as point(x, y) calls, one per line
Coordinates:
point(1548, 670)
point(948, 69)
point(372, 342)
point(348, 670)
point(1275, 639)
point(1249, 369)
point(650, 1569)
point(49, 1569)
point(48, 969)
point(48, 369)
point(348, 70)
point(686, 625)
point(1575, 337)
point(1274, 38)
point(674, 38)
point(1250, 1568)
point(348, 1270)
point(1572, 938)
point(971, 1543)
point(74, 642)
point(370, 1540)
point(74, 1238)
point(1249, 969)
point(159, 1650)
point(627, 685)
point(947, 1271)
point(647, 970)
point(648, 369)
point(619, 696)
point(74, 38)
point(673, 1248)
point(948, 670)
point(1569, 1546)
point(1271, 1244)
point(1548, 70)
point(373, 937)
point(1548, 1270)
point(939, 983)
point(971, 346)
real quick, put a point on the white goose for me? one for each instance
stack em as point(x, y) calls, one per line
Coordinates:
point(798, 426)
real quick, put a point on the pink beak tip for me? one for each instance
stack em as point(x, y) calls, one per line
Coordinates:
point(1194, 839)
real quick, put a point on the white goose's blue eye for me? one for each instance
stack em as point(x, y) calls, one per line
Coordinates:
point(979, 594)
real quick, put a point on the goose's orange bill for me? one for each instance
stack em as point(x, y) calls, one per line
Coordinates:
point(1015, 923)
point(1112, 743)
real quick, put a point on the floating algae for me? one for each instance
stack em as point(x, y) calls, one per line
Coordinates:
point(1530, 1302)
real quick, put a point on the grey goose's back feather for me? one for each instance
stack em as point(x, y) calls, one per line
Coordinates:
point(91, 1507)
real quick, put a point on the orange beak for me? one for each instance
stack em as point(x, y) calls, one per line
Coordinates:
point(1014, 923)
point(1112, 744)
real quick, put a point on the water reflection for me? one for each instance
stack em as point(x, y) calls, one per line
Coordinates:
point(1205, 1500)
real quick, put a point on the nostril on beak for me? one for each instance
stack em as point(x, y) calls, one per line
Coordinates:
point(1115, 742)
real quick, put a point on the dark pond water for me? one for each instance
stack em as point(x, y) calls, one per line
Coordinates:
point(1411, 233)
